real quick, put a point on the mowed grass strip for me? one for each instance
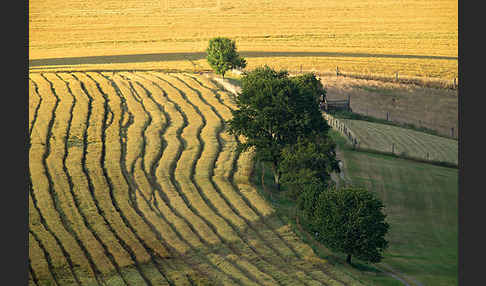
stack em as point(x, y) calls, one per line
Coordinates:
point(197, 261)
point(63, 184)
point(421, 206)
point(187, 166)
point(283, 236)
point(223, 168)
point(166, 175)
point(273, 227)
point(138, 174)
point(158, 148)
point(166, 170)
point(203, 178)
point(149, 268)
point(103, 193)
point(43, 186)
point(413, 143)
point(84, 200)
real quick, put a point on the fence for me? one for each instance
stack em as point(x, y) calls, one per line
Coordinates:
point(419, 81)
point(351, 136)
point(342, 128)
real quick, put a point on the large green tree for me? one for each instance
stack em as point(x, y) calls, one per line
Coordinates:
point(348, 220)
point(274, 110)
point(222, 55)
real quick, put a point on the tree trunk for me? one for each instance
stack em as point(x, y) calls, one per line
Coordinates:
point(348, 259)
point(276, 175)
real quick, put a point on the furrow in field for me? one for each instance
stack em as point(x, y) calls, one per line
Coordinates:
point(34, 104)
point(43, 187)
point(165, 174)
point(148, 103)
point(39, 261)
point(137, 177)
point(275, 229)
point(221, 170)
point(62, 183)
point(218, 174)
point(184, 175)
point(202, 177)
point(155, 147)
point(157, 95)
point(32, 276)
point(100, 239)
point(99, 187)
point(118, 189)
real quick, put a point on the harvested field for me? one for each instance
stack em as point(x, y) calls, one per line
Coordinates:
point(402, 141)
point(415, 38)
point(431, 108)
point(134, 181)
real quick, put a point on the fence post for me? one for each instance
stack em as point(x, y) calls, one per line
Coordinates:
point(454, 86)
point(396, 76)
point(452, 132)
point(393, 148)
point(337, 71)
point(387, 115)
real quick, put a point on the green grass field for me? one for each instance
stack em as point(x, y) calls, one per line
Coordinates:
point(421, 203)
point(403, 141)
point(421, 206)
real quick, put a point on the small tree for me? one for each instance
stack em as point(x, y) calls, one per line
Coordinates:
point(222, 55)
point(348, 220)
point(273, 112)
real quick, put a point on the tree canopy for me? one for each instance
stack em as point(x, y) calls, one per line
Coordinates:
point(222, 55)
point(274, 110)
point(348, 220)
point(308, 161)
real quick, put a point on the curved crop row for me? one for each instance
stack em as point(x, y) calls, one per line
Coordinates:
point(221, 169)
point(41, 156)
point(273, 229)
point(135, 181)
point(413, 143)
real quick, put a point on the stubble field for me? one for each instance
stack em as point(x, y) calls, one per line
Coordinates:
point(133, 181)
point(415, 38)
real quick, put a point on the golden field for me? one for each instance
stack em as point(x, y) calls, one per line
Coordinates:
point(134, 181)
point(415, 38)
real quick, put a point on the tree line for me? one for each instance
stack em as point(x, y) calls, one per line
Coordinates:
point(280, 119)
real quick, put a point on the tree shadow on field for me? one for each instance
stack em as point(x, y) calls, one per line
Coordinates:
point(154, 57)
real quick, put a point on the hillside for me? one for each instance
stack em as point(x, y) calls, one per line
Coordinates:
point(421, 205)
point(133, 181)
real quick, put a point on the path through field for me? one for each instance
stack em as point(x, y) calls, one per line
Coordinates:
point(134, 181)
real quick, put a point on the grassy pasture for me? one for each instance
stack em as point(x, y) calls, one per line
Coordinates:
point(402, 141)
point(421, 206)
point(413, 37)
point(133, 182)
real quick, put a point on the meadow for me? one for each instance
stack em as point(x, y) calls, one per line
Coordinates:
point(421, 206)
point(404, 142)
point(134, 181)
point(414, 38)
